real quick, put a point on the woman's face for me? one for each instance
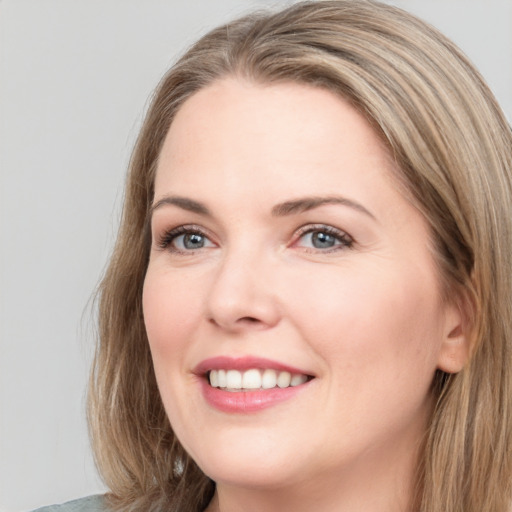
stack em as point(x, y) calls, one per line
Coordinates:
point(283, 254)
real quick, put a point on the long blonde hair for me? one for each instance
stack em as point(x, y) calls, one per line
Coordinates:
point(452, 145)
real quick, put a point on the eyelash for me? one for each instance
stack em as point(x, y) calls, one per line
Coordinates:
point(168, 237)
point(165, 241)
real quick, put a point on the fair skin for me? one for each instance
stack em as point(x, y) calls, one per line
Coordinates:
point(341, 288)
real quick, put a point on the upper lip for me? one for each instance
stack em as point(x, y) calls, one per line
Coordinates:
point(244, 363)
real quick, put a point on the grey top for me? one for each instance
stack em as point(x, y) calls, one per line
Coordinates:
point(94, 503)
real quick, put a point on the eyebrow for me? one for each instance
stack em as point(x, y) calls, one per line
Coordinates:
point(182, 202)
point(309, 203)
point(295, 206)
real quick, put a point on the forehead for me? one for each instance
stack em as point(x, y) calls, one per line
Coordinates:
point(236, 130)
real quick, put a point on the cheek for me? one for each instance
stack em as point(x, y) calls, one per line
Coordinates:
point(373, 321)
point(170, 309)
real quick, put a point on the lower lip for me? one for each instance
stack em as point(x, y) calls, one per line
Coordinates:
point(247, 401)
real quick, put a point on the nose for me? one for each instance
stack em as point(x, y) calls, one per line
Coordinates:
point(242, 295)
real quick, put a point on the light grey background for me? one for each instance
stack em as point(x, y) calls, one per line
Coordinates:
point(75, 76)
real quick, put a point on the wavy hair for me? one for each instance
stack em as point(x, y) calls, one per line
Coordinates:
point(452, 146)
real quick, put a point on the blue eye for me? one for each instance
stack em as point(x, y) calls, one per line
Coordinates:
point(190, 241)
point(324, 238)
point(321, 240)
point(184, 239)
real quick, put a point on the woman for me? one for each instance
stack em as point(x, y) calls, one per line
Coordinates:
point(308, 305)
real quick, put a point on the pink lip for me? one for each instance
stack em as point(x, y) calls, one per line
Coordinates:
point(243, 363)
point(245, 401)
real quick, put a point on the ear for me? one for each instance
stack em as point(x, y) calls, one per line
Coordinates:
point(455, 347)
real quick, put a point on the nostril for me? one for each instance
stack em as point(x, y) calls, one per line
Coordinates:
point(243, 320)
point(249, 320)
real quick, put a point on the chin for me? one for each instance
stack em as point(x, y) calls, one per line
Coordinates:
point(248, 475)
point(248, 461)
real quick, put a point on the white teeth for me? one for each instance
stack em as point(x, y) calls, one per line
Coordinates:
point(298, 379)
point(284, 379)
point(221, 376)
point(234, 380)
point(269, 379)
point(214, 379)
point(251, 379)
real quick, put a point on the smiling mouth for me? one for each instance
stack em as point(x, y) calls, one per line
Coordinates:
point(254, 379)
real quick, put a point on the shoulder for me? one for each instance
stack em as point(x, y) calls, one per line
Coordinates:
point(94, 503)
